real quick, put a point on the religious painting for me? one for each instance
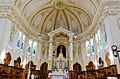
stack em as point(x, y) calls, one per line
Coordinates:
point(43, 49)
point(79, 50)
point(74, 50)
point(34, 49)
point(29, 47)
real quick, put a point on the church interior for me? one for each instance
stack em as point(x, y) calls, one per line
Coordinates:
point(59, 39)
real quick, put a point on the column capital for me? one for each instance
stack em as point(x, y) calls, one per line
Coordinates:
point(71, 38)
point(111, 9)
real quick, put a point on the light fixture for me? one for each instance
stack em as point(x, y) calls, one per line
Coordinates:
point(114, 48)
point(40, 36)
point(75, 35)
point(116, 52)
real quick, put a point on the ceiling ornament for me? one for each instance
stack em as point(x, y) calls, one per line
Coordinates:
point(59, 4)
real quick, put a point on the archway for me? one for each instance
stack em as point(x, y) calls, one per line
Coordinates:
point(76, 68)
point(61, 48)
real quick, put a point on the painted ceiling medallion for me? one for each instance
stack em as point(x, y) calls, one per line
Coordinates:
point(59, 4)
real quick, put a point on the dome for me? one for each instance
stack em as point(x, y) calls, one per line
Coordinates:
point(44, 16)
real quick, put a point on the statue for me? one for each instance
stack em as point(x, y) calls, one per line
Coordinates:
point(90, 66)
point(107, 59)
point(60, 63)
point(101, 63)
point(17, 62)
point(7, 58)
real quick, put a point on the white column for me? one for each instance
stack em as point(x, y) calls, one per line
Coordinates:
point(14, 54)
point(38, 55)
point(71, 52)
point(113, 32)
point(95, 52)
point(50, 52)
point(25, 51)
point(83, 52)
point(4, 37)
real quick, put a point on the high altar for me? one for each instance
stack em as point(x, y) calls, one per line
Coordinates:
point(60, 41)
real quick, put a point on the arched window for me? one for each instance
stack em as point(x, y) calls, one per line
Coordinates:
point(22, 44)
point(29, 47)
point(104, 33)
point(92, 46)
point(97, 41)
point(99, 38)
point(34, 49)
point(88, 48)
point(19, 40)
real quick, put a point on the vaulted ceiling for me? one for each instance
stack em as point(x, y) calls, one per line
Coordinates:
point(45, 16)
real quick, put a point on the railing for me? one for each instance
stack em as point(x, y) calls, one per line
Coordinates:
point(10, 72)
point(105, 72)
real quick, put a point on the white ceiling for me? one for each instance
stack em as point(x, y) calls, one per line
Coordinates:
point(48, 15)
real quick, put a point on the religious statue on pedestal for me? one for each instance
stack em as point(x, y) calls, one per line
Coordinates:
point(60, 63)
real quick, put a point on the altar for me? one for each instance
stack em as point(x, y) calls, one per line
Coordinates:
point(57, 75)
point(60, 61)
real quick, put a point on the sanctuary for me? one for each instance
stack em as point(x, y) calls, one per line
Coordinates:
point(79, 39)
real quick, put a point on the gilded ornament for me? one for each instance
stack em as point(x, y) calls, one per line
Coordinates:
point(59, 4)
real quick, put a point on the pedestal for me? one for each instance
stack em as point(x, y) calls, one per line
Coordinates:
point(57, 75)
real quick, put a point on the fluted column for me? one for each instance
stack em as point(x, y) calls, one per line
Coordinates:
point(71, 52)
point(25, 51)
point(14, 46)
point(95, 52)
point(38, 54)
point(50, 51)
point(112, 30)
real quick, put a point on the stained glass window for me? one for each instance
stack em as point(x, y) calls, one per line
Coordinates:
point(97, 41)
point(99, 37)
point(22, 44)
point(104, 33)
point(34, 49)
point(19, 40)
point(88, 48)
point(92, 46)
point(29, 47)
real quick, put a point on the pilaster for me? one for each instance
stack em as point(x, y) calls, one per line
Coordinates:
point(71, 52)
point(50, 52)
point(38, 54)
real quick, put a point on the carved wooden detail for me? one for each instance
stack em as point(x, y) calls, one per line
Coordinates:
point(7, 58)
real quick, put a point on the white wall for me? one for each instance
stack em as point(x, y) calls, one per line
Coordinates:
point(5, 36)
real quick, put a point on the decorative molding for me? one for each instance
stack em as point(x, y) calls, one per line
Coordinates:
point(59, 4)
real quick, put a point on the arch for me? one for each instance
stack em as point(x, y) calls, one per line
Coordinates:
point(76, 68)
point(43, 70)
point(61, 48)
